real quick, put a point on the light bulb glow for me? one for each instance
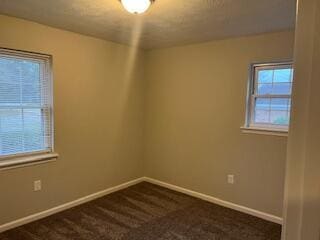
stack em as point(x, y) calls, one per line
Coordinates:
point(136, 6)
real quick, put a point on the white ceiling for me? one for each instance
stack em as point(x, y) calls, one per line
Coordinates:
point(167, 23)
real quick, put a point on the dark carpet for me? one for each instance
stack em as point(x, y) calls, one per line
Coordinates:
point(147, 211)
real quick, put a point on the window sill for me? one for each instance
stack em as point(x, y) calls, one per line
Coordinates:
point(263, 131)
point(25, 161)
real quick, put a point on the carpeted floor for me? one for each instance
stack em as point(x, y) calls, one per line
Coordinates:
point(147, 212)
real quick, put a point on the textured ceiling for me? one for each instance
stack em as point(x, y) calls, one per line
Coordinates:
point(167, 23)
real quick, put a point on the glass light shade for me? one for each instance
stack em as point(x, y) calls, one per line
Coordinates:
point(136, 6)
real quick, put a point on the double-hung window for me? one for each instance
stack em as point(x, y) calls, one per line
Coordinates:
point(269, 100)
point(26, 127)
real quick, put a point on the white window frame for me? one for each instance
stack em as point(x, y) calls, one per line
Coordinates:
point(250, 126)
point(36, 157)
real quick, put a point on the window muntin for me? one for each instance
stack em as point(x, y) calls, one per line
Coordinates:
point(270, 96)
point(25, 103)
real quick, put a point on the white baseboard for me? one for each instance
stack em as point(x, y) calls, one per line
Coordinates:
point(46, 213)
point(253, 212)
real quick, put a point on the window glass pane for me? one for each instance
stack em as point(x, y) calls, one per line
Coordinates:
point(262, 104)
point(11, 140)
point(19, 82)
point(265, 76)
point(30, 79)
point(262, 116)
point(279, 117)
point(274, 111)
point(9, 82)
point(33, 129)
point(281, 88)
point(282, 75)
point(264, 89)
point(280, 104)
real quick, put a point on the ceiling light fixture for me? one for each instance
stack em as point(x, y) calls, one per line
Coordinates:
point(136, 6)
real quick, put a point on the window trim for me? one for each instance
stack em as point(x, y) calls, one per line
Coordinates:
point(28, 160)
point(35, 157)
point(266, 129)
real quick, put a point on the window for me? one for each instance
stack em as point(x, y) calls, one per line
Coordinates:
point(25, 104)
point(269, 100)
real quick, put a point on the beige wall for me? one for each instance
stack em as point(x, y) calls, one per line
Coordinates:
point(302, 198)
point(192, 108)
point(98, 119)
point(195, 106)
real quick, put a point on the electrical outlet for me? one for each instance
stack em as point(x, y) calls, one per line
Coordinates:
point(37, 185)
point(231, 179)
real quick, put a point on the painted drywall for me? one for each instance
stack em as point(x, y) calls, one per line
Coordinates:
point(183, 122)
point(98, 102)
point(195, 106)
point(302, 194)
point(166, 23)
